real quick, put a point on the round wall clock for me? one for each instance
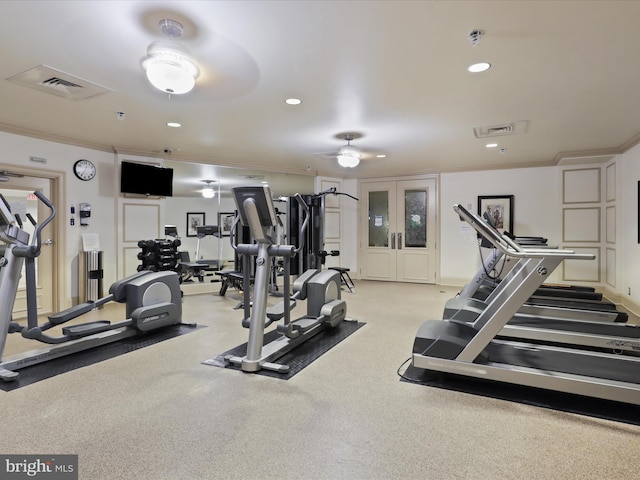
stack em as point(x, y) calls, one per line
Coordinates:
point(84, 169)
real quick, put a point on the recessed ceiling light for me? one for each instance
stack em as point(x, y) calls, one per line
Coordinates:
point(381, 156)
point(174, 124)
point(491, 145)
point(479, 67)
point(293, 101)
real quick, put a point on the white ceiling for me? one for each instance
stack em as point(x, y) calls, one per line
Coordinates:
point(392, 71)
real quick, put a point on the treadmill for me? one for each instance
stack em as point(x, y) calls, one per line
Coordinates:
point(474, 349)
point(566, 325)
point(488, 281)
point(558, 303)
point(472, 299)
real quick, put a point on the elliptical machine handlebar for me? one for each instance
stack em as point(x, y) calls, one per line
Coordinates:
point(33, 250)
point(39, 228)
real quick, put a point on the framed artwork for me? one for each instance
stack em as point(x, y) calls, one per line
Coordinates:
point(499, 209)
point(194, 220)
point(225, 220)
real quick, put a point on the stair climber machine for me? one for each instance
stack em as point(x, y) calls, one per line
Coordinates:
point(152, 301)
point(480, 349)
point(321, 289)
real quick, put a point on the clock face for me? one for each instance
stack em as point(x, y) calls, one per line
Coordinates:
point(84, 169)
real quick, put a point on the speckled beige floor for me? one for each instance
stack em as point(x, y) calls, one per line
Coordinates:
point(158, 413)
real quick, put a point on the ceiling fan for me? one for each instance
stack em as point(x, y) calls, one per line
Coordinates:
point(183, 59)
point(349, 156)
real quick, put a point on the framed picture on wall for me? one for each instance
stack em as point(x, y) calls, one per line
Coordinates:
point(194, 220)
point(225, 220)
point(499, 209)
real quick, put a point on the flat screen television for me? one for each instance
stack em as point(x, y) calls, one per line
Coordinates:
point(144, 179)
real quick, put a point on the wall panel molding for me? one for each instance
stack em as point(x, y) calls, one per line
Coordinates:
point(581, 185)
point(610, 192)
point(582, 270)
point(141, 222)
point(610, 221)
point(610, 276)
point(581, 224)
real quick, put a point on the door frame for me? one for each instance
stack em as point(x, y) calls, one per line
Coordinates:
point(57, 180)
point(362, 212)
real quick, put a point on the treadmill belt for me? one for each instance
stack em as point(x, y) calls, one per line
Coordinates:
point(564, 402)
point(51, 368)
point(298, 358)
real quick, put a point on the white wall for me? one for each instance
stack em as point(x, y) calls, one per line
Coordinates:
point(536, 213)
point(628, 166)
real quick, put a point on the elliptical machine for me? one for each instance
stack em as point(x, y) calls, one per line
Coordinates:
point(152, 300)
point(321, 289)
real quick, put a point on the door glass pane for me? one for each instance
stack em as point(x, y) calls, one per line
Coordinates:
point(415, 218)
point(378, 219)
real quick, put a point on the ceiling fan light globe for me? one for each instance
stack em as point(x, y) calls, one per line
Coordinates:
point(208, 192)
point(170, 69)
point(348, 161)
point(170, 77)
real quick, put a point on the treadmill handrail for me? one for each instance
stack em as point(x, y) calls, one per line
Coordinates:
point(498, 241)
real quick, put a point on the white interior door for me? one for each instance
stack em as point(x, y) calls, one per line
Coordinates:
point(378, 229)
point(398, 230)
point(416, 231)
point(18, 191)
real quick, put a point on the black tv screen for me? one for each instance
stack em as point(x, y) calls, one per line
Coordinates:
point(143, 179)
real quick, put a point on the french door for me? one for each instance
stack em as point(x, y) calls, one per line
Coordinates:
point(398, 230)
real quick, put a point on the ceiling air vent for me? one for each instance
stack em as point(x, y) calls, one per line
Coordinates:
point(56, 82)
point(513, 128)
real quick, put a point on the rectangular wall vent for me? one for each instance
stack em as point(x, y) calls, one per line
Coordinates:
point(56, 82)
point(513, 128)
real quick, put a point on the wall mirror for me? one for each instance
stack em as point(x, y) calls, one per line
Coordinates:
point(188, 205)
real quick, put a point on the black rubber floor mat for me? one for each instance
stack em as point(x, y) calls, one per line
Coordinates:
point(298, 358)
point(565, 402)
point(42, 371)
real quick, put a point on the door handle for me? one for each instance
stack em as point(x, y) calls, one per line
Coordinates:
point(399, 241)
point(48, 241)
point(393, 241)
